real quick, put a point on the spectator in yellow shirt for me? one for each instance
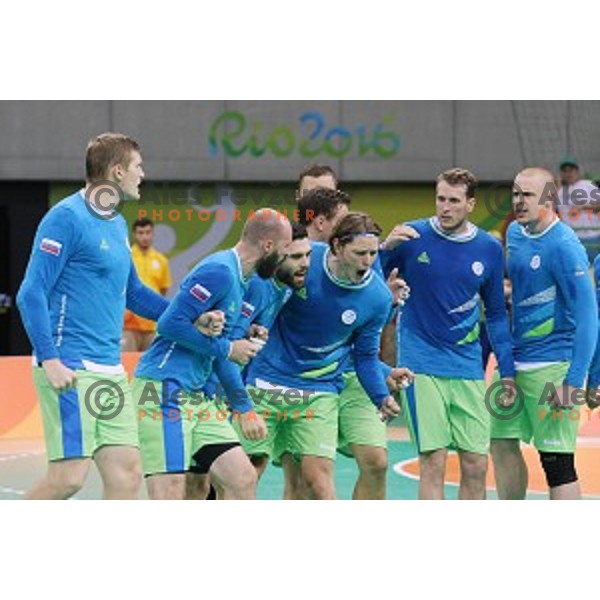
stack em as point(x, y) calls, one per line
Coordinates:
point(153, 269)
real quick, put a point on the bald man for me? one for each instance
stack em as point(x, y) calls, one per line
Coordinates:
point(554, 321)
point(177, 424)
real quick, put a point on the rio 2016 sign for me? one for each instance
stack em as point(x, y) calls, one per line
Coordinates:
point(232, 134)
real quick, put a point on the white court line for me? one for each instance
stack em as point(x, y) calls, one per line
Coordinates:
point(13, 457)
point(399, 468)
point(9, 457)
point(7, 490)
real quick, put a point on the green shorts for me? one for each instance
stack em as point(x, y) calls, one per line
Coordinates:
point(305, 428)
point(359, 421)
point(97, 412)
point(444, 412)
point(175, 425)
point(532, 420)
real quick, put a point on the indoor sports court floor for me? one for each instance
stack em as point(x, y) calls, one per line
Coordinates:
point(23, 461)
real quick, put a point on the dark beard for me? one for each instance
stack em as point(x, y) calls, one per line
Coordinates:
point(287, 278)
point(267, 265)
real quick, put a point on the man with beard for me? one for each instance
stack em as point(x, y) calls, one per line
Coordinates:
point(263, 300)
point(174, 371)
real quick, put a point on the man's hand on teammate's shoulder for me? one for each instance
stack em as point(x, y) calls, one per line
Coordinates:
point(400, 233)
point(243, 351)
point(61, 378)
point(389, 409)
point(211, 323)
point(253, 426)
point(399, 378)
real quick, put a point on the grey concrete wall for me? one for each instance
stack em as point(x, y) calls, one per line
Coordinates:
point(272, 141)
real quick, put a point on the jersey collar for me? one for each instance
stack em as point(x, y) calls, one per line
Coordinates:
point(239, 266)
point(454, 237)
point(345, 284)
point(541, 233)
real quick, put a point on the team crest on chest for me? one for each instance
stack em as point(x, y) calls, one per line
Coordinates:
point(477, 268)
point(536, 261)
point(348, 317)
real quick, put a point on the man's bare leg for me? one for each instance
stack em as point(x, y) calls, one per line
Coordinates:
point(510, 469)
point(372, 463)
point(433, 469)
point(63, 479)
point(121, 471)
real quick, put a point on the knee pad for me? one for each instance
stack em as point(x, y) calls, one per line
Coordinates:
point(559, 468)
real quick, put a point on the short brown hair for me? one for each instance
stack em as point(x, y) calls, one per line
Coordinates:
point(458, 176)
point(320, 201)
point(143, 222)
point(316, 171)
point(105, 151)
point(352, 225)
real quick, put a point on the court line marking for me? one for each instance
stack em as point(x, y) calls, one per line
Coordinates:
point(13, 457)
point(399, 469)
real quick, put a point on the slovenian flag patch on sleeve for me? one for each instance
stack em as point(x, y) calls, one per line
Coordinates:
point(51, 246)
point(200, 292)
point(247, 309)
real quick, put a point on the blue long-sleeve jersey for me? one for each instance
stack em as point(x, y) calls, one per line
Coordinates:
point(320, 326)
point(449, 276)
point(79, 279)
point(555, 317)
point(594, 378)
point(182, 354)
point(262, 302)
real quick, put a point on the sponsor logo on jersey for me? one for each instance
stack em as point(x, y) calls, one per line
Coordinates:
point(535, 262)
point(302, 293)
point(104, 245)
point(423, 258)
point(51, 246)
point(200, 293)
point(247, 309)
point(155, 264)
point(348, 317)
point(477, 268)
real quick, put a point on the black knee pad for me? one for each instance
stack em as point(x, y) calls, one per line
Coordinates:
point(206, 456)
point(559, 468)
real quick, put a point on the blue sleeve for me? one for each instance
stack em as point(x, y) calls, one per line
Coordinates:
point(571, 273)
point(55, 241)
point(594, 379)
point(211, 386)
point(377, 267)
point(197, 295)
point(366, 361)
point(385, 369)
point(142, 300)
point(496, 317)
point(231, 378)
point(391, 259)
point(253, 304)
